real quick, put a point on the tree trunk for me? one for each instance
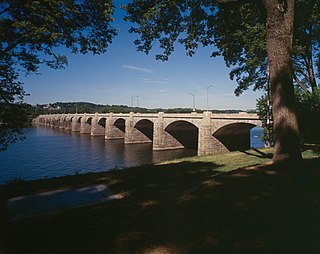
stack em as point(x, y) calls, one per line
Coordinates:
point(280, 17)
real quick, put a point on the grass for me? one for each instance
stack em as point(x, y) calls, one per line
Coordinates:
point(230, 203)
point(231, 161)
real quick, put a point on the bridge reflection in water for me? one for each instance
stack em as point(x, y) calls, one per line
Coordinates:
point(208, 133)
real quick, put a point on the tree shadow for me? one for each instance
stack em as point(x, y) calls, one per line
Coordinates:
point(315, 147)
point(258, 153)
point(187, 207)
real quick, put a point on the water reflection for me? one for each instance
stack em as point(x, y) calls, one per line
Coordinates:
point(255, 137)
point(52, 152)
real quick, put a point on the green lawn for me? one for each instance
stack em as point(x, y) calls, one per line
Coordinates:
point(229, 203)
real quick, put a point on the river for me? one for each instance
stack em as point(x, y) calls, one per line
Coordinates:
point(50, 152)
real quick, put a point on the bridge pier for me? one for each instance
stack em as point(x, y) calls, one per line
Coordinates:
point(57, 123)
point(162, 140)
point(207, 143)
point(112, 131)
point(85, 127)
point(96, 128)
point(54, 123)
point(67, 123)
point(75, 125)
point(62, 122)
point(133, 135)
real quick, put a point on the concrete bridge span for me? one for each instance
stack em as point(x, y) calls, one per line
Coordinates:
point(208, 133)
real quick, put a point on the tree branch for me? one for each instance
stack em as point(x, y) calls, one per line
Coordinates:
point(301, 72)
point(304, 88)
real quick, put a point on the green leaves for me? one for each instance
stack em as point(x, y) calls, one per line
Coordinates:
point(168, 22)
point(236, 31)
point(31, 31)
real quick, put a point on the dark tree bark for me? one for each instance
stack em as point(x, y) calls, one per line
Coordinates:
point(280, 18)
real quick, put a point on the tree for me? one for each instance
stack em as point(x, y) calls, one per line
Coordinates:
point(265, 114)
point(31, 32)
point(250, 61)
point(254, 37)
point(306, 50)
point(308, 108)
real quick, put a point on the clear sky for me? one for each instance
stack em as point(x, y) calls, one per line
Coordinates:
point(123, 73)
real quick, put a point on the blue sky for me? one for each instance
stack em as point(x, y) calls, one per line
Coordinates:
point(122, 72)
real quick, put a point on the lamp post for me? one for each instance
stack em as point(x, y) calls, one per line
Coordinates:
point(208, 96)
point(193, 102)
point(134, 98)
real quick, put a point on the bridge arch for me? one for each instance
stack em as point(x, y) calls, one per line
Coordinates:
point(120, 123)
point(89, 120)
point(102, 122)
point(68, 123)
point(145, 126)
point(85, 124)
point(184, 132)
point(115, 128)
point(234, 136)
point(67, 118)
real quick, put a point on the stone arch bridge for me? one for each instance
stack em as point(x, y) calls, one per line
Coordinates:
point(208, 133)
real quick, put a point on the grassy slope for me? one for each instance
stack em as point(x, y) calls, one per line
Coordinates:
point(185, 206)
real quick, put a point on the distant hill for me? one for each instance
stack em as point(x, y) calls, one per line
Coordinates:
point(87, 107)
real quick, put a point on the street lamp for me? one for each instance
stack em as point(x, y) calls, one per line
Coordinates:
point(208, 96)
point(194, 102)
point(134, 98)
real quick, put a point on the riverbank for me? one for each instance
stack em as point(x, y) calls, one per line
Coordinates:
point(231, 203)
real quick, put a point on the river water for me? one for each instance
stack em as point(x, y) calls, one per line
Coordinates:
point(52, 152)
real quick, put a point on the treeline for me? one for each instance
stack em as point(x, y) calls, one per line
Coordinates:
point(86, 107)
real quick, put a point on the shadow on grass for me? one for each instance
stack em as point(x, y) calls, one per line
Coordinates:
point(258, 153)
point(188, 207)
point(315, 147)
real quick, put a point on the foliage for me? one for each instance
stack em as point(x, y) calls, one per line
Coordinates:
point(308, 106)
point(13, 118)
point(308, 110)
point(265, 114)
point(31, 32)
point(306, 55)
point(236, 31)
point(86, 107)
